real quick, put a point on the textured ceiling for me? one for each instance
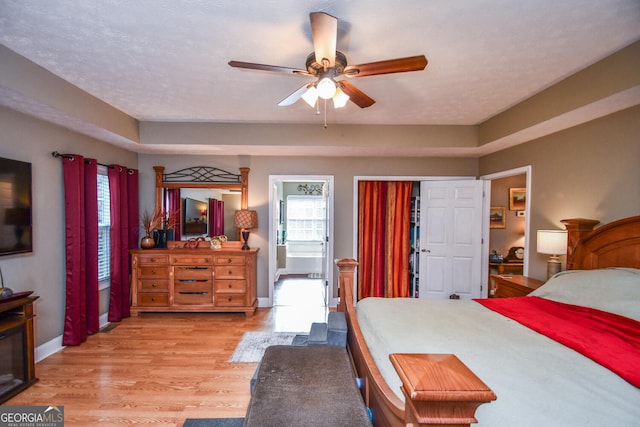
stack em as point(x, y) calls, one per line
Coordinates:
point(166, 60)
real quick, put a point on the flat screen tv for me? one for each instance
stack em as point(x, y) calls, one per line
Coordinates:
point(15, 207)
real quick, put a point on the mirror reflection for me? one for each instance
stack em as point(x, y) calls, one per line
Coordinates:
point(208, 212)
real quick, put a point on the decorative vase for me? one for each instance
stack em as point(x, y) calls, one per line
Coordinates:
point(160, 237)
point(147, 242)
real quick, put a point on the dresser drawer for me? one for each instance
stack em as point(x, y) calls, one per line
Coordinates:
point(195, 259)
point(192, 293)
point(229, 300)
point(153, 285)
point(153, 259)
point(229, 272)
point(192, 273)
point(153, 271)
point(153, 299)
point(187, 287)
point(229, 260)
point(230, 286)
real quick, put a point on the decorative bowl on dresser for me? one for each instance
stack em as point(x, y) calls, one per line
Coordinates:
point(193, 280)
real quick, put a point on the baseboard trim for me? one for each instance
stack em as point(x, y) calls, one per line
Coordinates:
point(55, 345)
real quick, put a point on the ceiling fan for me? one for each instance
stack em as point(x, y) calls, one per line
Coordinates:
point(329, 66)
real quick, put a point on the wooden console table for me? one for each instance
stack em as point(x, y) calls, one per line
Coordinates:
point(17, 358)
point(507, 267)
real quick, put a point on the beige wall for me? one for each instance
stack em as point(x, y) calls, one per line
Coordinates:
point(589, 171)
point(342, 169)
point(43, 271)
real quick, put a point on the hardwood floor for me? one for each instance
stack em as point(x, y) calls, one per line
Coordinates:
point(159, 369)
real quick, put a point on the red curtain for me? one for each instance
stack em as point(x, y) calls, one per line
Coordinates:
point(124, 200)
point(216, 217)
point(173, 204)
point(384, 213)
point(133, 224)
point(81, 248)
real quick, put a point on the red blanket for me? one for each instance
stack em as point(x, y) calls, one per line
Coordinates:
point(611, 340)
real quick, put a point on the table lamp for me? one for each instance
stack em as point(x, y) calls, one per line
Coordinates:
point(245, 220)
point(554, 243)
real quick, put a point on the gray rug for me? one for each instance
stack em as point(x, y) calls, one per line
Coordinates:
point(253, 344)
point(213, 422)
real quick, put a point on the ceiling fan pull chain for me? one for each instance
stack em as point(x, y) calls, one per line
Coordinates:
point(325, 113)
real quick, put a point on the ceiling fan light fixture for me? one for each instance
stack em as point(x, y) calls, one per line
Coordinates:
point(326, 88)
point(310, 96)
point(340, 98)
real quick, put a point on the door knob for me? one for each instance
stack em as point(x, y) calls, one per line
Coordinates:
point(425, 251)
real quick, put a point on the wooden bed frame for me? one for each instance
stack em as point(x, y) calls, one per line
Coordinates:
point(616, 244)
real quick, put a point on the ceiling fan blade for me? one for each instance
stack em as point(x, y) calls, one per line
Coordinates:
point(324, 30)
point(271, 68)
point(356, 96)
point(295, 96)
point(399, 65)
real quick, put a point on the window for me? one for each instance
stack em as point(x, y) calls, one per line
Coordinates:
point(306, 218)
point(104, 225)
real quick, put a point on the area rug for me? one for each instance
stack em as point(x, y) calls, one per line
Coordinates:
point(253, 344)
point(213, 422)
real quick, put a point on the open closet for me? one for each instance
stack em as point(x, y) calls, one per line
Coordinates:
point(420, 238)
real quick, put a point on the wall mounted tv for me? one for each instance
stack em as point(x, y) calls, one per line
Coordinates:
point(15, 207)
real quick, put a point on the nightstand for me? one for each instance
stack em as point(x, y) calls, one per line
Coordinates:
point(513, 285)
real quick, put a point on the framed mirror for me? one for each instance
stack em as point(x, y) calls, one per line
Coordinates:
point(204, 198)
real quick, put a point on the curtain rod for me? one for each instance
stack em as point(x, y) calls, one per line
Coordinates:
point(70, 157)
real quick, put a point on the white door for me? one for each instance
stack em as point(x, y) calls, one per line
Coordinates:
point(450, 239)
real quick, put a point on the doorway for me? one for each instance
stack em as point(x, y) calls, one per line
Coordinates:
point(515, 230)
point(301, 243)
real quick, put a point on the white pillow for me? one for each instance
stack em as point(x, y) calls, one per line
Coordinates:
point(616, 290)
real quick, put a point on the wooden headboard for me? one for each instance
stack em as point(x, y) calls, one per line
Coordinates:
point(616, 244)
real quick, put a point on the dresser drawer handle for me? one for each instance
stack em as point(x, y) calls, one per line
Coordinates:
point(230, 272)
point(153, 285)
point(230, 286)
point(153, 299)
point(229, 261)
point(229, 299)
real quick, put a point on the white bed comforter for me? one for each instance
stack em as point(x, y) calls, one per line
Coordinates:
point(539, 382)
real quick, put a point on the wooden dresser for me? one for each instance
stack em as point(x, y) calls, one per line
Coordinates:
point(514, 286)
point(198, 280)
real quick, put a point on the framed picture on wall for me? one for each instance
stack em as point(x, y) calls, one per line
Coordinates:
point(517, 199)
point(497, 217)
